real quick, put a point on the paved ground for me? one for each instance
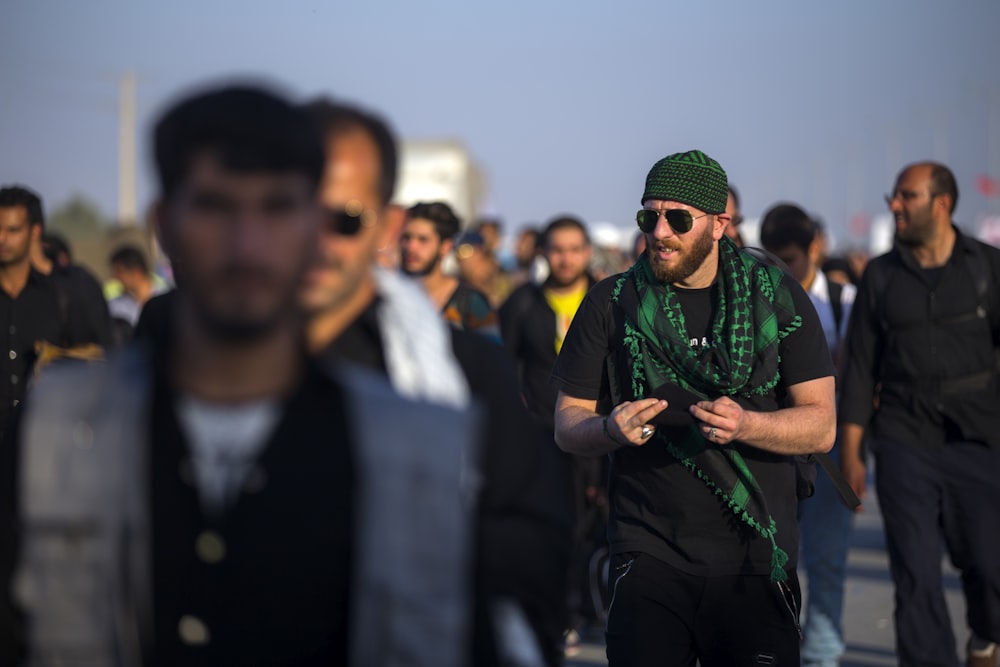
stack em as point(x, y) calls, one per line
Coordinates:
point(868, 624)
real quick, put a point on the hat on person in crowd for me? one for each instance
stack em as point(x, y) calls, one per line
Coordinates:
point(467, 242)
point(690, 178)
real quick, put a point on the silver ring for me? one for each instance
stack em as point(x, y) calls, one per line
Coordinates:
point(646, 431)
point(711, 433)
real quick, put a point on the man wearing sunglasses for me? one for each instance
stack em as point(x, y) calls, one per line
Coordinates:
point(701, 372)
point(925, 331)
point(383, 320)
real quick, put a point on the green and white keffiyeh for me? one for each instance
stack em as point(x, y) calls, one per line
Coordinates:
point(754, 313)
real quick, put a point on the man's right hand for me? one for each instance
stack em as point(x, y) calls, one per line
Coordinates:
point(851, 463)
point(628, 423)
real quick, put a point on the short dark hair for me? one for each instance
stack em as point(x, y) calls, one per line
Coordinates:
point(53, 245)
point(130, 257)
point(563, 222)
point(943, 183)
point(250, 128)
point(332, 120)
point(18, 195)
point(445, 222)
point(787, 225)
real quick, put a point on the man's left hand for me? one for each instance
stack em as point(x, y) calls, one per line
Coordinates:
point(720, 420)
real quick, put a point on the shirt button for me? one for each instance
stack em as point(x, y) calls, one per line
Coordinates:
point(210, 547)
point(13, 379)
point(13, 329)
point(192, 630)
point(12, 354)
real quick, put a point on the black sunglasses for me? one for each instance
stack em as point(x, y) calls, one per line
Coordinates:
point(347, 221)
point(679, 219)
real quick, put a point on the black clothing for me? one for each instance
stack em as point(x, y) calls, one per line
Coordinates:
point(921, 338)
point(954, 487)
point(38, 313)
point(523, 523)
point(929, 340)
point(662, 616)
point(88, 310)
point(528, 331)
point(279, 594)
point(658, 506)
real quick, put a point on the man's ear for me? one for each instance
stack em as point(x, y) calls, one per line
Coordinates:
point(447, 246)
point(719, 226)
point(815, 253)
point(944, 202)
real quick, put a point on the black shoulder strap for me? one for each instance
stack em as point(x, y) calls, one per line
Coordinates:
point(836, 291)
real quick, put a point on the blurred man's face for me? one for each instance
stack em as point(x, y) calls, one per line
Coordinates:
point(799, 262)
point(735, 218)
point(568, 255)
point(526, 248)
point(421, 249)
point(130, 279)
point(239, 243)
point(16, 234)
point(474, 265)
point(913, 205)
point(344, 265)
point(490, 231)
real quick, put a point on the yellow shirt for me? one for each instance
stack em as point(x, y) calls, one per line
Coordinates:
point(565, 307)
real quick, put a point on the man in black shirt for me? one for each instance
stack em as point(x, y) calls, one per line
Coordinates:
point(384, 320)
point(921, 373)
point(533, 324)
point(81, 294)
point(701, 371)
point(32, 307)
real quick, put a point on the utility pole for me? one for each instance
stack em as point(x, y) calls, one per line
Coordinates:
point(126, 150)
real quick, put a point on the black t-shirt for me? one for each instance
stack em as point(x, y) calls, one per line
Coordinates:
point(660, 507)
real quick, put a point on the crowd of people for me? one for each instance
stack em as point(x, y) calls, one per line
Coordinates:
point(349, 435)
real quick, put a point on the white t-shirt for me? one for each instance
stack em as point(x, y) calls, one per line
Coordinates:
point(819, 294)
point(225, 442)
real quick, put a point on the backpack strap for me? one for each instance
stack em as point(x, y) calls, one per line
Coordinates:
point(836, 291)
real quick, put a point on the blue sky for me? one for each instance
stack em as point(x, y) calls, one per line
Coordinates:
point(564, 105)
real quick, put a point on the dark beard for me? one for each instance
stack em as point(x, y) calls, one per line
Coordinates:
point(233, 327)
point(425, 270)
point(691, 258)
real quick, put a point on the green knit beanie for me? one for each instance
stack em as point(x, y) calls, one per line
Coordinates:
point(690, 178)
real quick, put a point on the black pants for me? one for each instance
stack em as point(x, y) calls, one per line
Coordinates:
point(664, 617)
point(926, 494)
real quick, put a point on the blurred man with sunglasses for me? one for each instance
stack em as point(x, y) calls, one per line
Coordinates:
point(701, 372)
point(384, 320)
point(925, 335)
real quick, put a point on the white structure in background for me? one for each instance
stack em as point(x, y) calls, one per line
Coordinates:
point(439, 171)
point(882, 234)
